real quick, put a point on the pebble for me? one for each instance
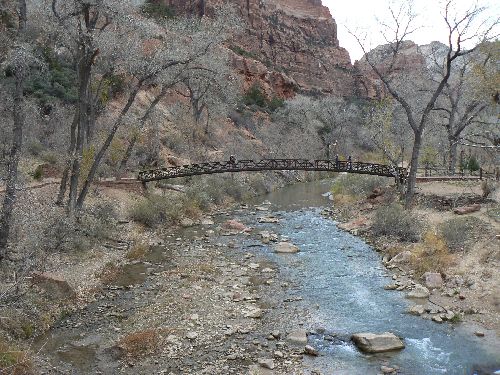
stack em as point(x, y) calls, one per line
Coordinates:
point(266, 363)
point(191, 335)
point(309, 350)
point(479, 333)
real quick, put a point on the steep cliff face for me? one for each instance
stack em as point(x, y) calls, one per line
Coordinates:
point(287, 45)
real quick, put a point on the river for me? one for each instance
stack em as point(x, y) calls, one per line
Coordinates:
point(344, 278)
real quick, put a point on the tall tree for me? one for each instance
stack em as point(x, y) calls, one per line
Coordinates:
point(461, 28)
point(18, 64)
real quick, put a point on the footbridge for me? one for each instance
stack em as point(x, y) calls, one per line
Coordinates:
point(234, 165)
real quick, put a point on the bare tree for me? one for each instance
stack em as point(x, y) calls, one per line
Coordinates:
point(461, 29)
point(18, 63)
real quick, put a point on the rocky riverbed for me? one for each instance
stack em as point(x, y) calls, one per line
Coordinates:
point(264, 289)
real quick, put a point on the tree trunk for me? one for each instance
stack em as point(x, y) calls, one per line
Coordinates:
point(452, 155)
point(412, 176)
point(104, 148)
point(12, 170)
point(71, 150)
point(84, 70)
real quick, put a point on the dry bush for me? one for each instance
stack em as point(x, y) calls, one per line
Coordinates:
point(14, 361)
point(459, 232)
point(394, 220)
point(110, 273)
point(138, 251)
point(349, 188)
point(140, 344)
point(431, 255)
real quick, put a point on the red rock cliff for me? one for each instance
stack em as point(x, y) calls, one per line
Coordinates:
point(287, 45)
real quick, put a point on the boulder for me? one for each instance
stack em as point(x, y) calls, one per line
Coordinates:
point(377, 343)
point(467, 209)
point(432, 280)
point(297, 337)
point(402, 257)
point(419, 291)
point(266, 363)
point(286, 248)
point(416, 310)
point(53, 285)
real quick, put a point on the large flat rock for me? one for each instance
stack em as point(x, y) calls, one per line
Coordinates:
point(377, 343)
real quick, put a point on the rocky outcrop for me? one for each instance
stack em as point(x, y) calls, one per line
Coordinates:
point(286, 45)
point(412, 60)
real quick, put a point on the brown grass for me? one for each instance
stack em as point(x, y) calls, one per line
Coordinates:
point(140, 344)
point(110, 273)
point(431, 255)
point(14, 361)
point(138, 251)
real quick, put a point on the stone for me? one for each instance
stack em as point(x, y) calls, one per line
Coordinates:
point(479, 333)
point(254, 313)
point(278, 354)
point(191, 335)
point(258, 370)
point(416, 310)
point(253, 266)
point(186, 222)
point(207, 221)
point(387, 369)
point(391, 287)
point(235, 225)
point(268, 220)
point(432, 280)
point(402, 257)
point(53, 285)
point(309, 350)
point(419, 291)
point(266, 363)
point(467, 209)
point(377, 343)
point(286, 248)
point(297, 337)
point(437, 319)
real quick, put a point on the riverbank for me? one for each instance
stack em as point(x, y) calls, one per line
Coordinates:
point(461, 282)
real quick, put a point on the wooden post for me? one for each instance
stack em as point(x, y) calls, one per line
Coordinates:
point(480, 173)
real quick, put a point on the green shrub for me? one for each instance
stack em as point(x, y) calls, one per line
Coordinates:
point(240, 51)
point(255, 96)
point(393, 220)
point(49, 157)
point(275, 103)
point(473, 164)
point(153, 9)
point(459, 231)
point(38, 173)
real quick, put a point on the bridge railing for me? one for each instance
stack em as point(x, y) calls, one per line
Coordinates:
point(273, 164)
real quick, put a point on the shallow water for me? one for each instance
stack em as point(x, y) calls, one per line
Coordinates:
point(343, 278)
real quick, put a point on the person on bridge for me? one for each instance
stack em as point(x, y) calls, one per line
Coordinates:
point(232, 160)
point(337, 161)
point(349, 160)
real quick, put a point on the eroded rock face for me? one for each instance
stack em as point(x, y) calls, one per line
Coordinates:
point(286, 46)
point(377, 343)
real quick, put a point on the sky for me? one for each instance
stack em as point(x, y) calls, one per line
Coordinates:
point(360, 16)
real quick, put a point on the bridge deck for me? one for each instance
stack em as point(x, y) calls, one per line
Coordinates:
point(273, 165)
